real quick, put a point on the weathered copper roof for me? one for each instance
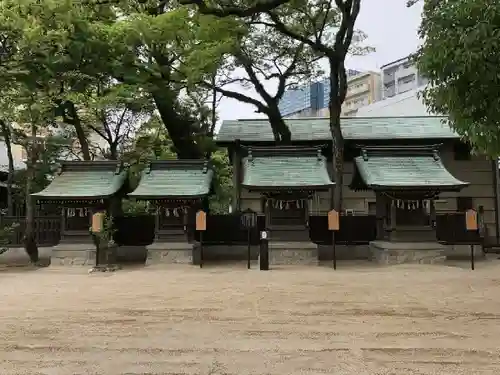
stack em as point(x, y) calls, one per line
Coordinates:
point(285, 168)
point(174, 179)
point(85, 180)
point(403, 167)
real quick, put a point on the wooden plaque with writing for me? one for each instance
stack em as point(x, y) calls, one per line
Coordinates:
point(98, 222)
point(333, 220)
point(201, 220)
point(471, 219)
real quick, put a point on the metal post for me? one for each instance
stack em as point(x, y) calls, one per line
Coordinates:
point(248, 249)
point(334, 251)
point(201, 249)
point(264, 252)
point(472, 257)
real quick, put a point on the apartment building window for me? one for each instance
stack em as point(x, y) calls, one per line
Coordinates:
point(407, 79)
point(407, 65)
point(464, 203)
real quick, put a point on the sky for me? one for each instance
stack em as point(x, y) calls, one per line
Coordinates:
point(391, 29)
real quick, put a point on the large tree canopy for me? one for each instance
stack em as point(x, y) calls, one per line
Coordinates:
point(461, 58)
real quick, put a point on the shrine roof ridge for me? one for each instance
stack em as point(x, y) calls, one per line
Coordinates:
point(431, 150)
point(317, 129)
point(256, 151)
point(180, 164)
point(92, 165)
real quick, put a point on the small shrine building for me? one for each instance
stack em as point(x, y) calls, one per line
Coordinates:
point(176, 190)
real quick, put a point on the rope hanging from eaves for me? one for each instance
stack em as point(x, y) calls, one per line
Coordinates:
point(286, 204)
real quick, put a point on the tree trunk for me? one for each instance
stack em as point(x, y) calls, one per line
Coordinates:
point(113, 151)
point(338, 161)
point(30, 245)
point(10, 178)
point(335, 107)
point(70, 116)
point(179, 128)
point(82, 139)
point(282, 134)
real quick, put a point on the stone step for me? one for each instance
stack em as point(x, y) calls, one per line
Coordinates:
point(282, 253)
point(385, 252)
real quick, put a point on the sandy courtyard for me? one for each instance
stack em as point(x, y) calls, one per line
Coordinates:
point(221, 320)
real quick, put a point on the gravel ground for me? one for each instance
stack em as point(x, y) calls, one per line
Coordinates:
point(399, 320)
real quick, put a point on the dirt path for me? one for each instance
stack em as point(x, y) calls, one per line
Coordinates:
point(221, 320)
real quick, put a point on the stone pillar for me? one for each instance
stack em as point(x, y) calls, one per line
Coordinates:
point(432, 213)
point(392, 214)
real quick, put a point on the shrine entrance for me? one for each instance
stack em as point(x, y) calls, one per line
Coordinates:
point(287, 216)
point(408, 217)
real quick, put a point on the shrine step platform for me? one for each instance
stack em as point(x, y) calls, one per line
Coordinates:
point(169, 252)
point(385, 252)
point(73, 254)
point(283, 253)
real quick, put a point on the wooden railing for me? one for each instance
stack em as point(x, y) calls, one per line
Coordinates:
point(47, 229)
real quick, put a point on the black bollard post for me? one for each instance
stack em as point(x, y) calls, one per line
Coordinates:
point(201, 249)
point(264, 251)
point(472, 257)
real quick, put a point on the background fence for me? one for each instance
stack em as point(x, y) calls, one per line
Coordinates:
point(228, 230)
point(451, 229)
point(47, 229)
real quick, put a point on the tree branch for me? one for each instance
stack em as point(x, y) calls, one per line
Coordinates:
point(282, 28)
point(246, 62)
point(260, 7)
point(240, 97)
point(288, 73)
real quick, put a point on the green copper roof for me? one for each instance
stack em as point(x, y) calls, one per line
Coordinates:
point(285, 168)
point(404, 167)
point(174, 179)
point(85, 180)
point(353, 128)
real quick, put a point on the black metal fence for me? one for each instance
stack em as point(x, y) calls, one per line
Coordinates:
point(359, 229)
point(451, 229)
point(134, 230)
point(228, 230)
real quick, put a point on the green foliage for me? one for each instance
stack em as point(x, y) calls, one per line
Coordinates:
point(460, 56)
point(7, 233)
point(223, 183)
point(105, 236)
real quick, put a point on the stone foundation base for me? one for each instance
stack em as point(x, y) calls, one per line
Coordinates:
point(73, 254)
point(462, 252)
point(384, 252)
point(283, 253)
point(17, 257)
point(170, 252)
point(344, 252)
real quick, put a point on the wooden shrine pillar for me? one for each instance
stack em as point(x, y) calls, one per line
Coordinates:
point(381, 215)
point(236, 199)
